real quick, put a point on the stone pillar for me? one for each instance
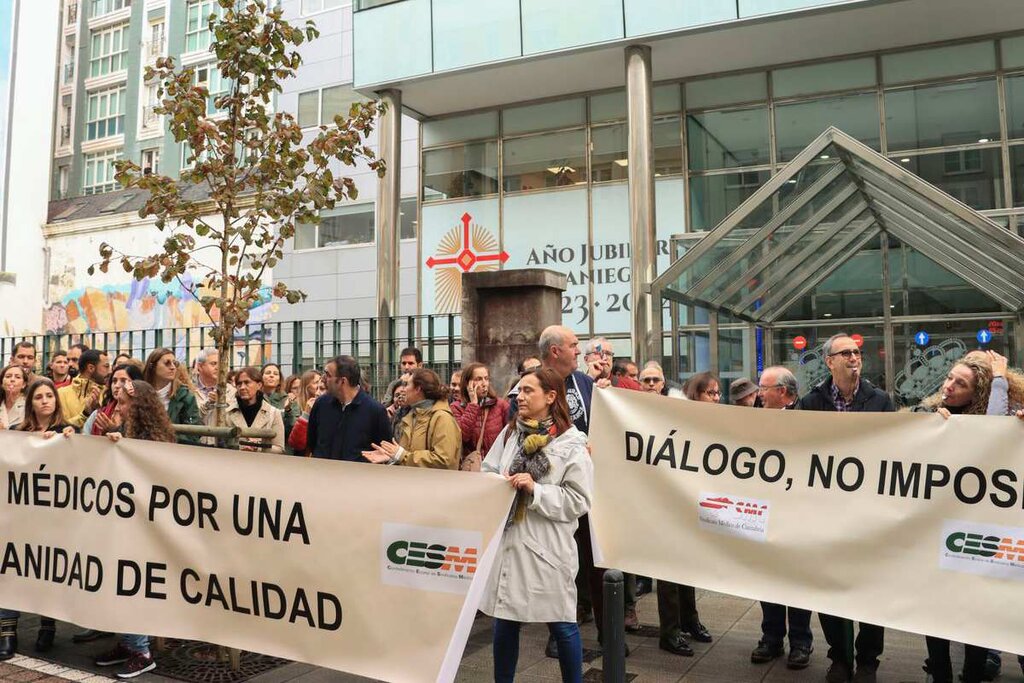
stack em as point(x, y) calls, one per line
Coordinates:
point(642, 234)
point(503, 314)
point(388, 222)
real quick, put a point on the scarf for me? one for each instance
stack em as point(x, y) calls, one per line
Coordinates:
point(165, 395)
point(249, 412)
point(532, 436)
point(420, 407)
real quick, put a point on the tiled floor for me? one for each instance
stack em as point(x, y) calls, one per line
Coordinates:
point(735, 624)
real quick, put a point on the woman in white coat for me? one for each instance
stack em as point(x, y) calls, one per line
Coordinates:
point(545, 458)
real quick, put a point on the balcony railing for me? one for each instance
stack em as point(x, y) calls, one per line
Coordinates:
point(72, 15)
point(65, 135)
point(69, 73)
point(155, 48)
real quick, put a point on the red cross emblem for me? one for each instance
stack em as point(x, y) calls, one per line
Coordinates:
point(465, 258)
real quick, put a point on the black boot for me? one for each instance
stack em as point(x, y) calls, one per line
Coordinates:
point(47, 631)
point(8, 638)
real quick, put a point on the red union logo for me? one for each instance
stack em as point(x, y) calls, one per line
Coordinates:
point(467, 247)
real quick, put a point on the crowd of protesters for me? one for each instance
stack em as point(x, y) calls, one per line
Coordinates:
point(534, 433)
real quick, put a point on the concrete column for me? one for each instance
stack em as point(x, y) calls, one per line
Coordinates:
point(388, 222)
point(646, 327)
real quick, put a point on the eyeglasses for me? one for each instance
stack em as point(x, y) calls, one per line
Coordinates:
point(651, 380)
point(765, 387)
point(846, 353)
point(712, 392)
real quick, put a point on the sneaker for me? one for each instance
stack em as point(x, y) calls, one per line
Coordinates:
point(137, 665)
point(632, 620)
point(119, 655)
point(765, 652)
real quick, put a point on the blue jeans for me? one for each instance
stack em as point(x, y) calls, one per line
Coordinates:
point(506, 650)
point(135, 643)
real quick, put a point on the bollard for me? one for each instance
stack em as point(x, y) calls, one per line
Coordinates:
point(614, 628)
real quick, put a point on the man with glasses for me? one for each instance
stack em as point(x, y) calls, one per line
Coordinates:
point(345, 421)
point(778, 390)
point(847, 391)
point(598, 355)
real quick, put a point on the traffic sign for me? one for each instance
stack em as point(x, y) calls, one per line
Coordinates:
point(799, 343)
point(857, 339)
point(922, 338)
point(984, 336)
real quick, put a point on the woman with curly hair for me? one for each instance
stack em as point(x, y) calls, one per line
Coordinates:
point(139, 407)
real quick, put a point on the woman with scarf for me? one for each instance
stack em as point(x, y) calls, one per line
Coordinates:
point(107, 418)
point(545, 459)
point(161, 371)
point(480, 413)
point(428, 435)
point(252, 410)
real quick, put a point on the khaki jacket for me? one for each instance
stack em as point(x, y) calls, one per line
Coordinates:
point(268, 417)
point(72, 400)
point(11, 419)
point(431, 438)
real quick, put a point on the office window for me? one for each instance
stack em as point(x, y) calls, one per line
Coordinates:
point(310, 6)
point(99, 172)
point(341, 227)
point(197, 16)
point(796, 125)
point(101, 7)
point(469, 170)
point(108, 51)
point(105, 114)
point(150, 161)
point(319, 107)
point(543, 161)
point(209, 76)
point(407, 210)
point(727, 139)
point(941, 115)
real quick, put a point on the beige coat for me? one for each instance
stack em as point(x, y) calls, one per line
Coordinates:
point(438, 425)
point(268, 417)
point(533, 578)
point(11, 419)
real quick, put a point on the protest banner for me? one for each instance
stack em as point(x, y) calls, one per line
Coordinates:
point(368, 569)
point(897, 519)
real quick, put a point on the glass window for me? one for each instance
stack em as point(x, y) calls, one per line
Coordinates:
point(667, 99)
point(99, 172)
point(608, 158)
point(1013, 52)
point(830, 76)
point(469, 170)
point(668, 146)
point(347, 226)
point(548, 116)
point(216, 85)
point(727, 139)
point(1017, 173)
point(407, 51)
point(609, 106)
point(942, 115)
point(309, 108)
point(712, 198)
point(974, 176)
point(105, 114)
point(655, 16)
point(337, 100)
point(197, 16)
point(939, 62)
point(305, 236)
point(150, 161)
point(550, 160)
point(558, 25)
point(930, 289)
point(1015, 106)
point(108, 51)
point(715, 92)
point(101, 7)
point(310, 6)
point(796, 125)
point(465, 33)
point(407, 212)
point(458, 128)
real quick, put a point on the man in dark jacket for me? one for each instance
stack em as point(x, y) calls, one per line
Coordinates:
point(847, 392)
point(345, 421)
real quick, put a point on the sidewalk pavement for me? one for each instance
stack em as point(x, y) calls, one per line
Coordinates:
point(735, 624)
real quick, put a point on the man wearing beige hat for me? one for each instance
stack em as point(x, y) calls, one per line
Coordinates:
point(743, 392)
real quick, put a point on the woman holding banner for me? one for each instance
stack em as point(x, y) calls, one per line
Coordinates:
point(42, 415)
point(544, 458)
point(967, 390)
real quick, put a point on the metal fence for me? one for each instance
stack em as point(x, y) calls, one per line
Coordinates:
point(295, 345)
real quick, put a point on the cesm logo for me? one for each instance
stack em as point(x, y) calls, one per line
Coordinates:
point(985, 549)
point(733, 516)
point(429, 559)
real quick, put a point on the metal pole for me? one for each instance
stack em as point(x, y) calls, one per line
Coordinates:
point(614, 628)
point(389, 199)
point(646, 327)
point(888, 336)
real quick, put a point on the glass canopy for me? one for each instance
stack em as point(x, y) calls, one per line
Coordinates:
point(837, 198)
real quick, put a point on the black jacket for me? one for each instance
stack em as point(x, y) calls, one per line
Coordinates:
point(868, 399)
point(343, 433)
